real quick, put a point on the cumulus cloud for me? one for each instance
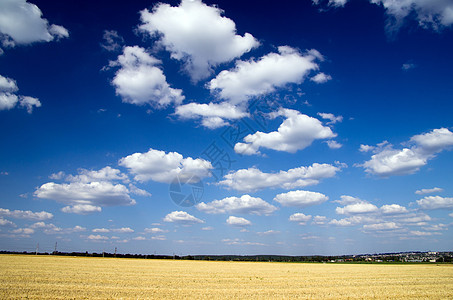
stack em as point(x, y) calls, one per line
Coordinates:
point(88, 191)
point(319, 220)
point(182, 217)
point(238, 205)
point(196, 34)
point(154, 230)
point(297, 132)
point(301, 198)
point(388, 161)
point(392, 209)
point(253, 179)
point(97, 237)
point(163, 167)
point(26, 214)
point(238, 222)
point(357, 208)
point(255, 78)
point(334, 144)
point(212, 115)
point(102, 230)
point(300, 217)
point(321, 78)
point(354, 220)
point(435, 202)
point(429, 191)
point(139, 81)
point(22, 23)
point(9, 99)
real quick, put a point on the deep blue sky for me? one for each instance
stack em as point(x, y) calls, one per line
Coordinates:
point(382, 82)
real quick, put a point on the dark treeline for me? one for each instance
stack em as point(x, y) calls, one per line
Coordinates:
point(384, 257)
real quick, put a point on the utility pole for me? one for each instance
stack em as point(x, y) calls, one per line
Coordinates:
point(37, 248)
point(115, 251)
point(55, 251)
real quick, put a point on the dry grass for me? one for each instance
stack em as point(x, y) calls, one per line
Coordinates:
point(53, 277)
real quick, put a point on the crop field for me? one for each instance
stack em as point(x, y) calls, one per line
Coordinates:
point(57, 277)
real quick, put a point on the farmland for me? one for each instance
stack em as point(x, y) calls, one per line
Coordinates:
point(56, 277)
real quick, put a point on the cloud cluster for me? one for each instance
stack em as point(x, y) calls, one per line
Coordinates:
point(139, 81)
point(435, 202)
point(297, 132)
point(22, 23)
point(25, 214)
point(88, 191)
point(300, 217)
point(388, 161)
point(9, 98)
point(434, 14)
point(253, 179)
point(197, 35)
point(237, 205)
point(164, 167)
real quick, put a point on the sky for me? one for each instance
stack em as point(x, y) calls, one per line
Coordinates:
point(226, 127)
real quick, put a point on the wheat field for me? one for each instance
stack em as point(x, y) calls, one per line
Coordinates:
point(58, 277)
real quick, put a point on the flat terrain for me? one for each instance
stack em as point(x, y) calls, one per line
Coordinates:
point(56, 277)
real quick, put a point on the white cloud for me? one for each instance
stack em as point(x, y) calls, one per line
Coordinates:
point(381, 226)
point(420, 233)
point(255, 78)
point(319, 220)
point(334, 144)
point(25, 231)
point(301, 198)
point(79, 194)
point(26, 214)
point(139, 81)
point(451, 215)
point(102, 230)
point(212, 115)
point(139, 238)
point(154, 230)
point(123, 230)
point(354, 220)
point(253, 179)
point(415, 219)
point(164, 167)
point(182, 217)
point(435, 14)
point(297, 132)
point(435, 202)
point(436, 227)
point(269, 232)
point(196, 34)
point(207, 228)
point(357, 208)
point(97, 237)
point(8, 98)
point(136, 191)
point(392, 209)
point(300, 217)
point(4, 222)
point(366, 148)
point(321, 78)
point(81, 209)
point(112, 41)
point(388, 161)
point(237, 205)
point(22, 23)
point(238, 222)
point(331, 117)
point(86, 176)
point(429, 191)
point(346, 200)
point(52, 229)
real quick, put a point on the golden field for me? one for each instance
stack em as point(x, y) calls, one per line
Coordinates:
point(57, 277)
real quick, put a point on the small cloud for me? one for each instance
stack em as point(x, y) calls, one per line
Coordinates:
point(334, 144)
point(321, 78)
point(429, 191)
point(208, 228)
point(408, 66)
point(238, 221)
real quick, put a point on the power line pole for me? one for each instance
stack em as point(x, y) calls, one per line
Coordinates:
point(55, 251)
point(37, 248)
point(115, 251)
